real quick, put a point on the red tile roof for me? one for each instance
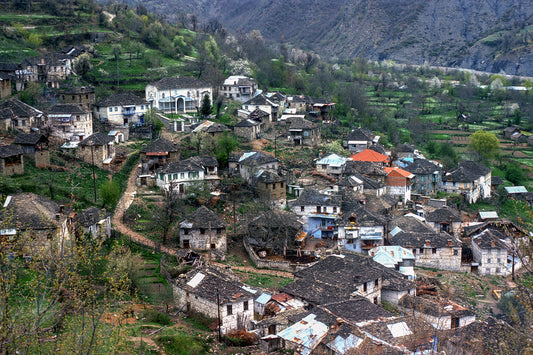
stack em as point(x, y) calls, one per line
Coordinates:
point(370, 155)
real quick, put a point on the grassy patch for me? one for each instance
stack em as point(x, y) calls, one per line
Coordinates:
point(182, 344)
point(264, 281)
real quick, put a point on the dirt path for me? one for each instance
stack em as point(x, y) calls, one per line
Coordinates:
point(124, 203)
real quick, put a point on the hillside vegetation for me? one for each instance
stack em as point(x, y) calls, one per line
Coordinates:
point(483, 35)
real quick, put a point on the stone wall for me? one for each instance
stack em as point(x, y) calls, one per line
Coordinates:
point(442, 259)
point(42, 158)
point(271, 264)
point(202, 241)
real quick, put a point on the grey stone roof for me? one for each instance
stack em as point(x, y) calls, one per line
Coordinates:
point(411, 240)
point(365, 168)
point(301, 123)
point(466, 171)
point(360, 215)
point(313, 197)
point(334, 278)
point(269, 177)
point(490, 239)
point(444, 214)
point(29, 138)
point(259, 158)
point(405, 148)
point(9, 67)
point(161, 145)
point(30, 211)
point(7, 151)
point(260, 100)
point(496, 180)
point(97, 139)
point(377, 147)
point(19, 108)
point(359, 134)
point(121, 99)
point(205, 160)
point(410, 224)
point(228, 286)
point(70, 109)
point(203, 218)
point(258, 115)
point(422, 167)
point(247, 123)
point(90, 216)
point(185, 82)
point(355, 310)
point(181, 166)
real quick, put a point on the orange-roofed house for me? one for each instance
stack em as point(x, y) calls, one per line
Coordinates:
point(398, 182)
point(370, 155)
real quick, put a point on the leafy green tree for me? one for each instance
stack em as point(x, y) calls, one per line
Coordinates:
point(206, 109)
point(514, 173)
point(110, 192)
point(83, 65)
point(484, 145)
point(335, 147)
point(32, 93)
point(224, 146)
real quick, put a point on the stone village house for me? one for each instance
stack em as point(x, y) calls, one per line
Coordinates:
point(183, 173)
point(470, 179)
point(431, 249)
point(69, 122)
point(121, 109)
point(238, 87)
point(97, 149)
point(212, 291)
point(203, 230)
point(490, 252)
point(34, 146)
point(159, 153)
point(15, 114)
point(34, 225)
point(11, 160)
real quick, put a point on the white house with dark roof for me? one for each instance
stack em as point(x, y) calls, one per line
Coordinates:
point(216, 292)
point(490, 252)
point(121, 109)
point(470, 179)
point(359, 139)
point(203, 230)
point(19, 115)
point(431, 249)
point(177, 94)
point(238, 87)
point(264, 104)
point(250, 163)
point(70, 122)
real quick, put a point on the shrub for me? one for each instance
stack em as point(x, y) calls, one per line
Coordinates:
point(240, 338)
point(153, 316)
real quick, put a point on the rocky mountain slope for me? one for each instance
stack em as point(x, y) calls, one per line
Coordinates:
point(490, 35)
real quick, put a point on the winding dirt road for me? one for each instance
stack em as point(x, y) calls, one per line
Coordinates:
point(124, 203)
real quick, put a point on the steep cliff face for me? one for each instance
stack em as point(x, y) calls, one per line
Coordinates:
point(479, 34)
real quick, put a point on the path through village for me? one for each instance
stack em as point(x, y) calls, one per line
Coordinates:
point(124, 203)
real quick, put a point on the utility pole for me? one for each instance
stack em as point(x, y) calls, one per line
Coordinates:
point(94, 174)
point(233, 188)
point(218, 310)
